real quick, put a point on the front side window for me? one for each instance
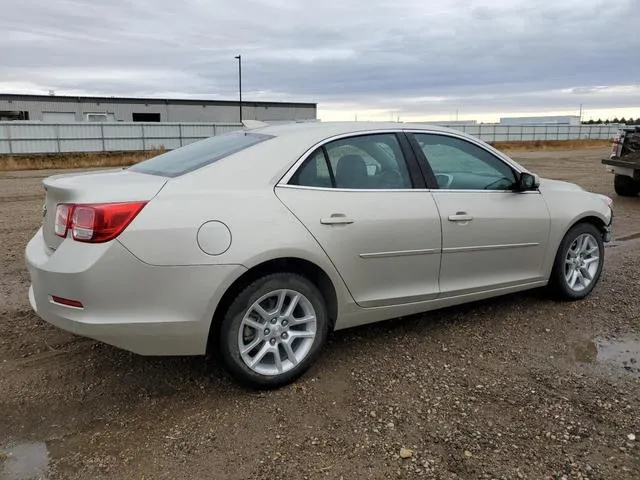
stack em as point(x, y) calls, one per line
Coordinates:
point(460, 165)
point(361, 162)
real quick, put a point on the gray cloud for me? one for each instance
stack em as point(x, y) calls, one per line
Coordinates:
point(409, 56)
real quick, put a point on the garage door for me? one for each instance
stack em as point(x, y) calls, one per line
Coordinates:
point(58, 117)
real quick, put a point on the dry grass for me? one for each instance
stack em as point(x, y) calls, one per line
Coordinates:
point(74, 160)
point(550, 145)
point(121, 159)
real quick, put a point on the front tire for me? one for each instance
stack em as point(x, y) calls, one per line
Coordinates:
point(274, 331)
point(578, 263)
point(626, 186)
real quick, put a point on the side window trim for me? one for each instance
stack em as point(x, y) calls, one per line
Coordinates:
point(413, 165)
point(327, 162)
point(423, 163)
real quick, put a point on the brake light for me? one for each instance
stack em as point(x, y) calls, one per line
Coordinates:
point(95, 223)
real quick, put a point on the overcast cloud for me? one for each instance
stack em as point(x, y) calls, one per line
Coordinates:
point(410, 57)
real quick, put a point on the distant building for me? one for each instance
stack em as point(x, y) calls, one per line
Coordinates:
point(550, 120)
point(446, 123)
point(62, 109)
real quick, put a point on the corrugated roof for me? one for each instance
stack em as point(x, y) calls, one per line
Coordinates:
point(149, 101)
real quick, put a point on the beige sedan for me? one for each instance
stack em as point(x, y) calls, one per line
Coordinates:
point(255, 245)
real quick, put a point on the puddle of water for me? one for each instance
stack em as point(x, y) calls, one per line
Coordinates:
point(25, 461)
point(623, 352)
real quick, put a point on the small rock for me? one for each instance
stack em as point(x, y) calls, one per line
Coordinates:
point(468, 454)
point(406, 453)
point(390, 425)
point(373, 414)
point(547, 330)
point(631, 436)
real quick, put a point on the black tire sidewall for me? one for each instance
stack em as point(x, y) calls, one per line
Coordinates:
point(229, 350)
point(559, 283)
point(626, 186)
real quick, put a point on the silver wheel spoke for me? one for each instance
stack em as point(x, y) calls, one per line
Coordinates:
point(251, 346)
point(301, 334)
point(584, 272)
point(292, 306)
point(586, 241)
point(281, 298)
point(278, 360)
point(303, 320)
point(591, 260)
point(290, 353)
point(253, 324)
point(261, 311)
point(573, 278)
point(259, 356)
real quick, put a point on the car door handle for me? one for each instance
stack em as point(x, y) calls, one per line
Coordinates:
point(336, 219)
point(460, 217)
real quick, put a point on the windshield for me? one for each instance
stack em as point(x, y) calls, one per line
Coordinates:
point(198, 154)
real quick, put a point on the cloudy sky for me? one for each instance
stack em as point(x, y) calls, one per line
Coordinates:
point(374, 59)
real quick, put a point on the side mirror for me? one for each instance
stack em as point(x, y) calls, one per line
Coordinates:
point(527, 181)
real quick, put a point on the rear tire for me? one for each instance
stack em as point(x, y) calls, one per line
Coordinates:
point(578, 263)
point(273, 331)
point(626, 186)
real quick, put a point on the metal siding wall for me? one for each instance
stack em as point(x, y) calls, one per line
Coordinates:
point(5, 144)
point(123, 112)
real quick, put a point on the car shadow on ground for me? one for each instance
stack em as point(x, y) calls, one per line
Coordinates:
point(159, 376)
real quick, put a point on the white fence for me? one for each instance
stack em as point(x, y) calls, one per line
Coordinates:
point(19, 138)
point(508, 133)
point(38, 137)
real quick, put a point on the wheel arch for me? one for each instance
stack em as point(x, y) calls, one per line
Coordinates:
point(592, 218)
point(289, 264)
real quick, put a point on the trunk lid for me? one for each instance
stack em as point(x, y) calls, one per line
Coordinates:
point(105, 186)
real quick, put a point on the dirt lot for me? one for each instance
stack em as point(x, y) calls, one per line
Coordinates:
point(515, 387)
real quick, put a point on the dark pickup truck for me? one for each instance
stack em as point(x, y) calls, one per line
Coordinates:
point(624, 161)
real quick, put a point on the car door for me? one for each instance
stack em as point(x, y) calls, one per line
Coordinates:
point(492, 235)
point(364, 201)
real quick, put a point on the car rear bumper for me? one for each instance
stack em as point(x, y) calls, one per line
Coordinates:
point(146, 309)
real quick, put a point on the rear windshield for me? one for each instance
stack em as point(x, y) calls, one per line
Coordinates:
point(198, 154)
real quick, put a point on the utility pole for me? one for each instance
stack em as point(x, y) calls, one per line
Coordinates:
point(580, 120)
point(239, 58)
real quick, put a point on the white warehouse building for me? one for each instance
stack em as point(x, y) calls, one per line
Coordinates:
point(68, 109)
point(548, 120)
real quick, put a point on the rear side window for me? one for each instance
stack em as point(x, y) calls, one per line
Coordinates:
point(199, 154)
point(371, 161)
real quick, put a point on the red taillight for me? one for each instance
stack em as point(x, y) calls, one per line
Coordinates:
point(95, 223)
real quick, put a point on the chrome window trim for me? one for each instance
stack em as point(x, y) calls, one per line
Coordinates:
point(284, 180)
point(432, 190)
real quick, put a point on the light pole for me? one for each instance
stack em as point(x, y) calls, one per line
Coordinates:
point(239, 58)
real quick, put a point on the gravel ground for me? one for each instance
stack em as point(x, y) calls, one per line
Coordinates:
point(513, 387)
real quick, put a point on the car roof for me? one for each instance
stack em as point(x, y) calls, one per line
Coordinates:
point(316, 131)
